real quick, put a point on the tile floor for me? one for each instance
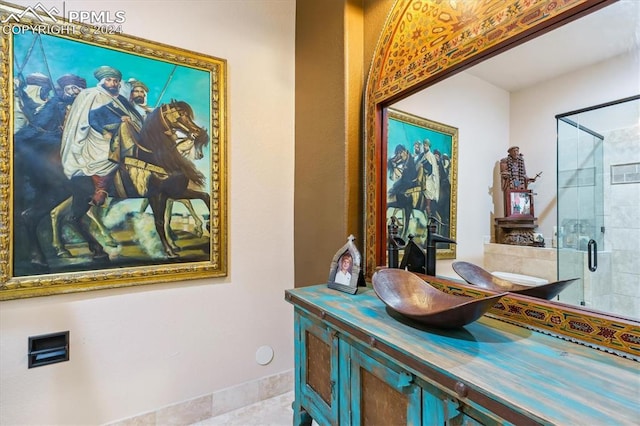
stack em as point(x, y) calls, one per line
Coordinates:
point(274, 411)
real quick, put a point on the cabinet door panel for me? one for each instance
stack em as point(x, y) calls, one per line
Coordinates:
point(317, 375)
point(318, 363)
point(381, 395)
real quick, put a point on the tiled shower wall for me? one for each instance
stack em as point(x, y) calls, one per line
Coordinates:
point(622, 221)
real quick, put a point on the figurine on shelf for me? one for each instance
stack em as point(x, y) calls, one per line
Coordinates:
point(513, 172)
point(519, 222)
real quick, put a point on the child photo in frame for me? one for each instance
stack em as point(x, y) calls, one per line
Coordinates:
point(345, 272)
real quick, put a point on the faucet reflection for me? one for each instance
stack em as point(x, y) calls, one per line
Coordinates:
point(432, 240)
point(416, 258)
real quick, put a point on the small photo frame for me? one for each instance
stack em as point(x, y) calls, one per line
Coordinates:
point(518, 203)
point(345, 272)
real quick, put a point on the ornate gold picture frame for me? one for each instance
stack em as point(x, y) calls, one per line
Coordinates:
point(114, 166)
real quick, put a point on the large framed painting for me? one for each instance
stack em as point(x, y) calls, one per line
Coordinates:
point(113, 168)
point(421, 180)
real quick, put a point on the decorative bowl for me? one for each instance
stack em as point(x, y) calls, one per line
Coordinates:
point(477, 276)
point(412, 297)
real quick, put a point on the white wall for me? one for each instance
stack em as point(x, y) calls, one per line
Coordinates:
point(491, 119)
point(137, 349)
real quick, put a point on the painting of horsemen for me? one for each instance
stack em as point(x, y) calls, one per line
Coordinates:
point(421, 180)
point(115, 164)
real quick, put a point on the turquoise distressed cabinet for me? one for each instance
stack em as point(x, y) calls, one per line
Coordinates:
point(357, 363)
point(317, 369)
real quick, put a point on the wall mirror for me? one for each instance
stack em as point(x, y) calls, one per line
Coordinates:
point(428, 50)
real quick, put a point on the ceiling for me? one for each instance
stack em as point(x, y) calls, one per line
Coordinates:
point(598, 36)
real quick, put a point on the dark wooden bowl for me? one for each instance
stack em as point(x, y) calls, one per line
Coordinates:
point(477, 276)
point(414, 298)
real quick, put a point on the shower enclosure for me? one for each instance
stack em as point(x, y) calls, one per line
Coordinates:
point(598, 231)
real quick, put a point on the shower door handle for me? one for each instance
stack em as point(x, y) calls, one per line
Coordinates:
point(592, 251)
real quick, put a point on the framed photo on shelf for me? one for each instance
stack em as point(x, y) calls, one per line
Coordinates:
point(518, 203)
point(153, 209)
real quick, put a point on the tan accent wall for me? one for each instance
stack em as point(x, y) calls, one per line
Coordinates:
point(334, 44)
point(319, 191)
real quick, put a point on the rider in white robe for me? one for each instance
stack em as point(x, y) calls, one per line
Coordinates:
point(431, 182)
point(85, 150)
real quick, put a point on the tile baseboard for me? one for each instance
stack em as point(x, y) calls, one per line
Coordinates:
point(216, 403)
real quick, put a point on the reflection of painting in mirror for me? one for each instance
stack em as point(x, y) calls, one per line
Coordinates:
point(421, 177)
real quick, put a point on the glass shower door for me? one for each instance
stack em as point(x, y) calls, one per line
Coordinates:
point(580, 226)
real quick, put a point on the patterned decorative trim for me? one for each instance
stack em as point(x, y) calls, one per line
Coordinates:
point(617, 335)
point(428, 37)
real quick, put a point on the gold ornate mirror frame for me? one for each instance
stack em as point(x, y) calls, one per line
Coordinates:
point(426, 41)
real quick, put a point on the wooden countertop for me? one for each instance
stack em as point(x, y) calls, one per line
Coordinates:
point(542, 376)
